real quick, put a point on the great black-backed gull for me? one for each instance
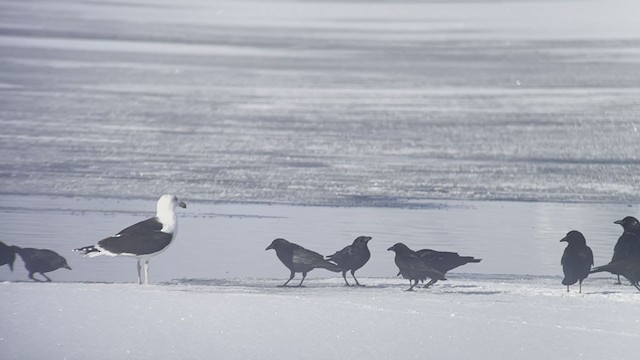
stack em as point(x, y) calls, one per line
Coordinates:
point(144, 239)
point(41, 261)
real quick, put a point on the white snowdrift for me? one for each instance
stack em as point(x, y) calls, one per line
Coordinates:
point(468, 317)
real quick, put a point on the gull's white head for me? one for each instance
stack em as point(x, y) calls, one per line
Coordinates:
point(168, 204)
point(166, 212)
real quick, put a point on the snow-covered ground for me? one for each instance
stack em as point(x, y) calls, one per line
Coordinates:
point(468, 317)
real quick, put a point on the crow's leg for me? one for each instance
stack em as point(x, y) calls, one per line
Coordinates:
point(46, 277)
point(580, 286)
point(354, 278)
point(32, 278)
point(567, 288)
point(304, 275)
point(412, 285)
point(290, 277)
point(431, 282)
point(344, 276)
point(619, 282)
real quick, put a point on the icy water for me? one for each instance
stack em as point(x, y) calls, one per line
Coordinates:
point(380, 103)
point(485, 127)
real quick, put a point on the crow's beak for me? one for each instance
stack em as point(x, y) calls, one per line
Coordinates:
point(390, 249)
point(619, 222)
point(11, 266)
point(268, 248)
point(368, 238)
point(564, 239)
point(67, 267)
point(182, 204)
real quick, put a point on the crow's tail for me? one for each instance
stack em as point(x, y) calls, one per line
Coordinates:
point(330, 266)
point(602, 268)
point(471, 259)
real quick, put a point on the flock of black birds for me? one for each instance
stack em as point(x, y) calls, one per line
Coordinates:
point(577, 258)
point(416, 266)
point(140, 241)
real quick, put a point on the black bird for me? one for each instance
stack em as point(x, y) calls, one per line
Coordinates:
point(41, 261)
point(629, 242)
point(143, 239)
point(7, 255)
point(576, 260)
point(352, 257)
point(443, 261)
point(412, 267)
point(299, 259)
point(628, 267)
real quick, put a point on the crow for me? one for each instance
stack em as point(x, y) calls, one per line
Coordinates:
point(7, 255)
point(443, 261)
point(576, 260)
point(412, 267)
point(628, 267)
point(352, 257)
point(629, 242)
point(41, 261)
point(299, 259)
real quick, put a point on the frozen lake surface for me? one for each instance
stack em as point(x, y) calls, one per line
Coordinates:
point(351, 103)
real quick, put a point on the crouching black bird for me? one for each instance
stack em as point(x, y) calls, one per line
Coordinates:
point(352, 257)
point(7, 255)
point(41, 261)
point(629, 242)
point(412, 267)
point(443, 261)
point(299, 259)
point(576, 260)
point(628, 267)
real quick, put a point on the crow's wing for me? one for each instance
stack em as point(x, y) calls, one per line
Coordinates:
point(306, 257)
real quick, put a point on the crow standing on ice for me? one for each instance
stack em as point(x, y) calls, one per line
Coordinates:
point(412, 267)
point(41, 261)
point(443, 261)
point(629, 242)
point(299, 259)
point(7, 255)
point(352, 257)
point(576, 259)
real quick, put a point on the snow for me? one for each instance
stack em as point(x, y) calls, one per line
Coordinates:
point(467, 317)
